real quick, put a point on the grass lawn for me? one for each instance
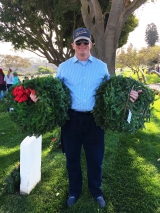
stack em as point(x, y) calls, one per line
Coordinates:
point(131, 172)
point(150, 78)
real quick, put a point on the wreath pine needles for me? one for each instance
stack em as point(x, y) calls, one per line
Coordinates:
point(48, 113)
point(113, 104)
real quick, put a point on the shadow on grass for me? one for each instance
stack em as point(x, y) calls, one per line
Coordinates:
point(8, 161)
point(131, 180)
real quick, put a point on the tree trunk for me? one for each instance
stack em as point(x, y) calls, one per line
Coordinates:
point(106, 38)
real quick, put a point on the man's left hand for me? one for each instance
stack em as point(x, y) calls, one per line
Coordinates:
point(134, 95)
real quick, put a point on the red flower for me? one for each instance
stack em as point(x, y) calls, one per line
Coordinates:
point(33, 91)
point(22, 94)
point(21, 98)
point(28, 91)
point(18, 91)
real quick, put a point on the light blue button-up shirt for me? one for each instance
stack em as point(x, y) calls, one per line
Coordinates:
point(82, 78)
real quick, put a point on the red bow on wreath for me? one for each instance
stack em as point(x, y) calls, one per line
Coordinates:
point(21, 94)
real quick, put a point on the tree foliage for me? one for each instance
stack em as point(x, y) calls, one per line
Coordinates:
point(151, 35)
point(42, 26)
point(46, 27)
point(44, 70)
point(153, 55)
point(132, 59)
point(136, 60)
point(129, 26)
point(15, 62)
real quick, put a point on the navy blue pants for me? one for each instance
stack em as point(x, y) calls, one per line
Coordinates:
point(9, 85)
point(79, 131)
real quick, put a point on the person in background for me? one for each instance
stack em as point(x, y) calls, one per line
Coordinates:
point(149, 70)
point(2, 85)
point(9, 78)
point(83, 74)
point(25, 78)
point(16, 79)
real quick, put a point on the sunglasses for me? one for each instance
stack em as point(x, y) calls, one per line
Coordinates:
point(79, 42)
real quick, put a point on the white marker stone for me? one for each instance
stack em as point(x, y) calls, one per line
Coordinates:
point(30, 163)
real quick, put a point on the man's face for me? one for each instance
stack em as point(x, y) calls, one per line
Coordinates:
point(82, 48)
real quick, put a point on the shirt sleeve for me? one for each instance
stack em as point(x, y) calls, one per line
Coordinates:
point(107, 75)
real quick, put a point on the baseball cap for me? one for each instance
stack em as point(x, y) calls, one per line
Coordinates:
point(81, 33)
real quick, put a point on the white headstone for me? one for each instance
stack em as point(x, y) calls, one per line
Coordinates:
point(30, 163)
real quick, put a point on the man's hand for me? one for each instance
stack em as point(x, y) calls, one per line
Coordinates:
point(33, 97)
point(134, 95)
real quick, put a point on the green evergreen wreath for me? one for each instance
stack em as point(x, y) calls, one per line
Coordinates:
point(49, 112)
point(112, 104)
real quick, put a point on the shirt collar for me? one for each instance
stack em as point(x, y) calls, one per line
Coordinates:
point(75, 59)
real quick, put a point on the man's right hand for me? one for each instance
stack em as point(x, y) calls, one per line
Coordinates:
point(34, 98)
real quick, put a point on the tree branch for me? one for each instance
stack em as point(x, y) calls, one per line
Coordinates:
point(131, 7)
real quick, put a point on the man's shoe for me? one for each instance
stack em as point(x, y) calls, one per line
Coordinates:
point(71, 201)
point(101, 201)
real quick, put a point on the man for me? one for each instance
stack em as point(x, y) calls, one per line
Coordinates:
point(83, 74)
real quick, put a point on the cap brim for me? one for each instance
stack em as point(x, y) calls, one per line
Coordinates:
point(82, 37)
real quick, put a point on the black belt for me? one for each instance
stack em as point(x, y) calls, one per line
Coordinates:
point(81, 112)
